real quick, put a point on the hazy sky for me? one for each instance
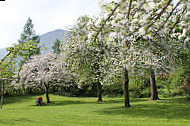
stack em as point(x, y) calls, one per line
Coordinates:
point(47, 15)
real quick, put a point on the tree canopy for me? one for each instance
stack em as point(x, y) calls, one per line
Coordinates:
point(135, 35)
point(43, 70)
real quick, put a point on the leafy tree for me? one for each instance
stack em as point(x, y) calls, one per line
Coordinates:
point(27, 35)
point(7, 68)
point(29, 43)
point(43, 70)
point(56, 46)
point(182, 76)
point(8, 63)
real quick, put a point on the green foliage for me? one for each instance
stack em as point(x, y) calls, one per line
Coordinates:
point(7, 71)
point(139, 86)
point(181, 80)
point(28, 33)
point(113, 90)
point(28, 49)
point(181, 77)
point(166, 87)
point(56, 46)
point(8, 65)
point(29, 42)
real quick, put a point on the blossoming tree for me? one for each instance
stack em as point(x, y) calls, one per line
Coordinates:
point(43, 70)
point(149, 33)
point(84, 57)
point(134, 35)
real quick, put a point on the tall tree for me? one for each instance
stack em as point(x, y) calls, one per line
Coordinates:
point(28, 39)
point(85, 54)
point(27, 35)
point(57, 46)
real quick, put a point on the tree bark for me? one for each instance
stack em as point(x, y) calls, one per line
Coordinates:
point(154, 93)
point(2, 93)
point(126, 88)
point(99, 92)
point(47, 92)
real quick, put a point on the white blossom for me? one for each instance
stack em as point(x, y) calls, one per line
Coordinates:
point(142, 31)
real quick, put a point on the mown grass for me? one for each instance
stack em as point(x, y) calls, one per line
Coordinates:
point(75, 111)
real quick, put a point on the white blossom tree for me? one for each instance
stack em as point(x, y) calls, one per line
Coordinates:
point(43, 70)
point(149, 33)
point(84, 57)
point(135, 34)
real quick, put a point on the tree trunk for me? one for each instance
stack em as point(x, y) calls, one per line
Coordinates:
point(47, 92)
point(154, 93)
point(99, 92)
point(2, 93)
point(126, 88)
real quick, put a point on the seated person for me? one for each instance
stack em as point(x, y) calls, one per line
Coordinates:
point(39, 100)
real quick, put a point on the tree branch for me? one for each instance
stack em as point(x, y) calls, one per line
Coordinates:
point(159, 15)
point(8, 79)
point(177, 21)
point(106, 21)
point(167, 18)
point(6, 55)
point(129, 10)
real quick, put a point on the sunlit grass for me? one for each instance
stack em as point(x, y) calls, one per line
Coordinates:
point(74, 111)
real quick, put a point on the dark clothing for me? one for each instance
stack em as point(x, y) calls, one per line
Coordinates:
point(39, 100)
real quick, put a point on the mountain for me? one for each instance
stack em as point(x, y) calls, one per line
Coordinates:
point(46, 41)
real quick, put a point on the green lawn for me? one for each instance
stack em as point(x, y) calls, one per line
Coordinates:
point(74, 111)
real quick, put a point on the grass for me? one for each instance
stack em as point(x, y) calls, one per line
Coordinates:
point(75, 111)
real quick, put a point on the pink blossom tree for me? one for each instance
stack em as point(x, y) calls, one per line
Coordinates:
point(43, 70)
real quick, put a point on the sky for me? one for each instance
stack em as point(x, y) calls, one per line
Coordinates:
point(46, 15)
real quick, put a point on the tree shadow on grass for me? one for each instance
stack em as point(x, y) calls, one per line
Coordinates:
point(66, 102)
point(122, 100)
point(14, 121)
point(14, 99)
point(168, 109)
point(75, 102)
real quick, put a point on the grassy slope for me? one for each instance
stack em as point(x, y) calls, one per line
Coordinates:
point(72, 111)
